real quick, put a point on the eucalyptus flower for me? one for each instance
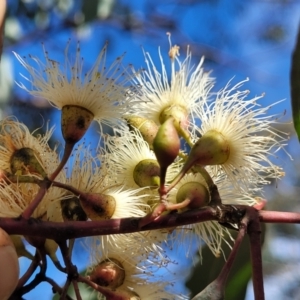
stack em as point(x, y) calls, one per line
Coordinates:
point(162, 97)
point(237, 137)
point(193, 189)
point(99, 94)
point(25, 153)
point(134, 162)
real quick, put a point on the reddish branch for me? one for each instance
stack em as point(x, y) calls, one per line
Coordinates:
point(77, 229)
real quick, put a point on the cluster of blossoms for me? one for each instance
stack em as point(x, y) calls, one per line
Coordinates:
point(174, 142)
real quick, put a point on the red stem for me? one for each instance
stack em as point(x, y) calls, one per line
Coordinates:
point(222, 277)
point(67, 152)
point(76, 229)
point(254, 232)
point(278, 217)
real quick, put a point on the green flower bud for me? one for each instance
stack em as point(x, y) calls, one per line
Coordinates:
point(211, 149)
point(75, 121)
point(178, 113)
point(108, 273)
point(72, 211)
point(20, 247)
point(51, 248)
point(196, 192)
point(166, 144)
point(98, 206)
point(24, 162)
point(146, 173)
point(147, 128)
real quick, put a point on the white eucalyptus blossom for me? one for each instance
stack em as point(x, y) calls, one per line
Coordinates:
point(248, 134)
point(16, 197)
point(134, 162)
point(210, 232)
point(25, 153)
point(101, 91)
point(161, 97)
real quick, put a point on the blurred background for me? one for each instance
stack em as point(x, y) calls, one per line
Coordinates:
point(239, 39)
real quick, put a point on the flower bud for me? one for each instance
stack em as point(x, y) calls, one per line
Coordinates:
point(75, 121)
point(147, 128)
point(211, 149)
point(196, 192)
point(98, 206)
point(20, 247)
point(72, 211)
point(178, 113)
point(166, 144)
point(108, 273)
point(24, 162)
point(146, 173)
point(51, 248)
point(9, 266)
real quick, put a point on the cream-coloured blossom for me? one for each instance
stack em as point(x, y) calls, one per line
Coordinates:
point(248, 134)
point(129, 271)
point(211, 232)
point(161, 97)
point(134, 163)
point(101, 90)
point(134, 269)
point(16, 146)
point(16, 197)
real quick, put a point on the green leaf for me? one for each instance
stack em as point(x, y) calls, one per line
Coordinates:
point(295, 85)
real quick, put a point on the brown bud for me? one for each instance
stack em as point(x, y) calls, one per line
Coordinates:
point(75, 121)
point(72, 211)
point(108, 273)
point(98, 206)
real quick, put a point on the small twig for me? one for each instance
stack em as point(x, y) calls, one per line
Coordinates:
point(56, 288)
point(36, 201)
point(109, 294)
point(278, 217)
point(64, 294)
point(76, 289)
point(254, 232)
point(71, 269)
point(222, 277)
point(34, 264)
point(44, 185)
point(67, 152)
